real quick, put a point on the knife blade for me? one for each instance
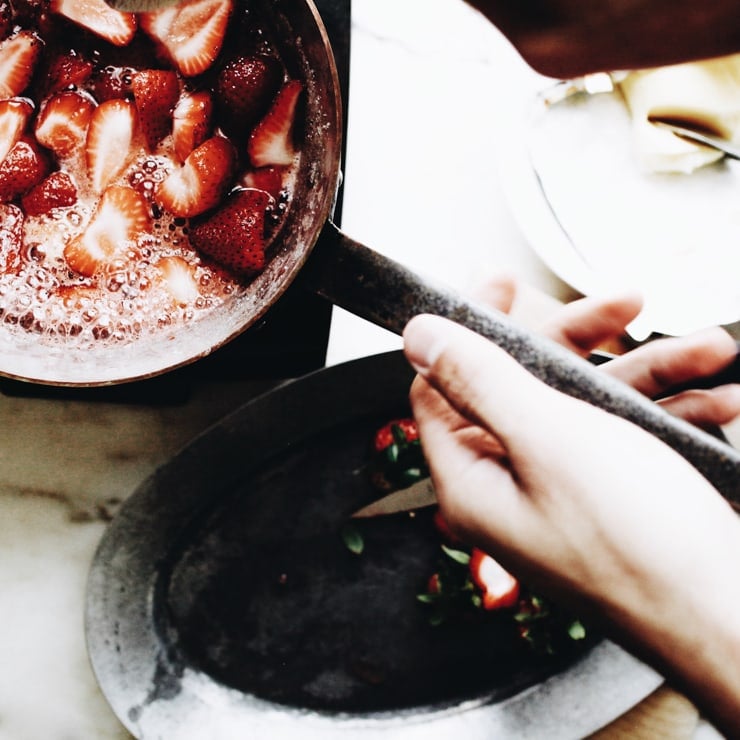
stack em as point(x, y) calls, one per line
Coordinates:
point(416, 496)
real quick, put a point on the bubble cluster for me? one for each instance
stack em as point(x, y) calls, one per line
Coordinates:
point(40, 295)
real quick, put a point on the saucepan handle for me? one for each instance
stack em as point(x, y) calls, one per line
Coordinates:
point(388, 294)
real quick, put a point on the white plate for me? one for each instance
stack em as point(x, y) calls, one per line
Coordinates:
point(602, 224)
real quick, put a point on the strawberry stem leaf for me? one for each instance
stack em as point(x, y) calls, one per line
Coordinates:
point(352, 538)
point(459, 556)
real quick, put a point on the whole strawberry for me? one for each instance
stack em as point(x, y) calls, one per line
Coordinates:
point(25, 166)
point(398, 460)
point(234, 234)
point(244, 90)
point(55, 191)
point(156, 92)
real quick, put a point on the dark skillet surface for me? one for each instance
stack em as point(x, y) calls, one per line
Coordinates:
point(267, 598)
point(225, 575)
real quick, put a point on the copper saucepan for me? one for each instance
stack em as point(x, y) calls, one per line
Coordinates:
point(352, 276)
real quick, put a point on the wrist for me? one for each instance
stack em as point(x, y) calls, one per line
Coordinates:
point(689, 628)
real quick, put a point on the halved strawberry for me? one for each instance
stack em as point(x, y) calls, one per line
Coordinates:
point(271, 142)
point(191, 33)
point(14, 115)
point(63, 121)
point(99, 18)
point(108, 141)
point(202, 180)
point(191, 122)
point(24, 167)
point(179, 279)
point(155, 93)
point(19, 55)
point(443, 528)
point(55, 191)
point(244, 89)
point(271, 179)
point(396, 432)
point(499, 589)
point(67, 70)
point(122, 214)
point(234, 235)
point(111, 82)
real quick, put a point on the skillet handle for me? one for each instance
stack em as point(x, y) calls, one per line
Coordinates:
point(380, 290)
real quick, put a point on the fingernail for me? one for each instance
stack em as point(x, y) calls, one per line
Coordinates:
point(423, 343)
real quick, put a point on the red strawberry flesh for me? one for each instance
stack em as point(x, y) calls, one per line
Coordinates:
point(499, 588)
point(67, 71)
point(234, 234)
point(156, 92)
point(24, 167)
point(99, 18)
point(245, 88)
point(55, 191)
point(201, 182)
point(121, 216)
point(14, 115)
point(191, 33)
point(62, 123)
point(19, 55)
point(271, 142)
point(108, 141)
point(191, 122)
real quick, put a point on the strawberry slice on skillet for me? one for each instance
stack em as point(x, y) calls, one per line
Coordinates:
point(499, 589)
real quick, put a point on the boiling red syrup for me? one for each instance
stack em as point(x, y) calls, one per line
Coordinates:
point(131, 293)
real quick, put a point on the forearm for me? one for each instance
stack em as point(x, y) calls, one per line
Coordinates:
point(690, 629)
point(565, 38)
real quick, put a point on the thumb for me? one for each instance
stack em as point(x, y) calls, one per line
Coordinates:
point(480, 380)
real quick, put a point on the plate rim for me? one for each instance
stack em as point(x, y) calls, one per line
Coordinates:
point(537, 218)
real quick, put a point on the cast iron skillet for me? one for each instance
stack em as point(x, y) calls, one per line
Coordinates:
point(353, 277)
point(223, 603)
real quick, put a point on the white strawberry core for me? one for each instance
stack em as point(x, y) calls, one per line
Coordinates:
point(115, 141)
point(108, 232)
point(11, 128)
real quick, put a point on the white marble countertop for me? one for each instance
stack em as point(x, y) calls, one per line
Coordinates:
point(430, 85)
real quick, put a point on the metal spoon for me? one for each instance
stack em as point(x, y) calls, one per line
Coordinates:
point(699, 137)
